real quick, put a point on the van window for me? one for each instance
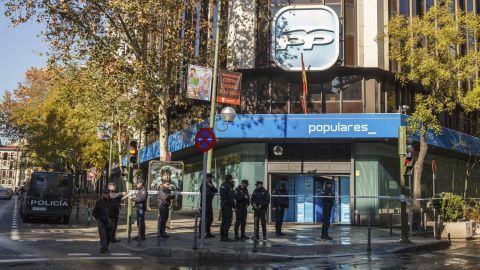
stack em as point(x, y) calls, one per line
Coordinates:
point(52, 184)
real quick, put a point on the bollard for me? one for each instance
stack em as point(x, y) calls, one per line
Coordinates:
point(195, 228)
point(129, 238)
point(449, 241)
point(391, 224)
point(139, 221)
point(88, 217)
point(158, 229)
point(78, 209)
point(439, 237)
point(255, 233)
point(369, 247)
point(425, 225)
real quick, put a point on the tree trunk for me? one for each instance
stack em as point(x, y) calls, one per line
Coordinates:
point(417, 179)
point(163, 125)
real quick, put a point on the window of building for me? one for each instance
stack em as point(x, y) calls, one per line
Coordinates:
point(404, 7)
point(9, 182)
point(5, 163)
point(332, 95)
point(352, 94)
point(3, 182)
point(10, 173)
point(263, 95)
point(4, 173)
point(12, 155)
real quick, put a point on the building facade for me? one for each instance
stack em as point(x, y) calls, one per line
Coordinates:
point(354, 106)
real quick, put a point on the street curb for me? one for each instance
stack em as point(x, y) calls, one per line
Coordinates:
point(239, 256)
point(441, 244)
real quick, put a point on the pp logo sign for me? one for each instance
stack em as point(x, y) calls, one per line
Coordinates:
point(311, 30)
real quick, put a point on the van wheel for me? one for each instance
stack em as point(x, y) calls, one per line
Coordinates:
point(25, 218)
point(66, 219)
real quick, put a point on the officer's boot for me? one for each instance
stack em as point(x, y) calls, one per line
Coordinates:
point(264, 229)
point(236, 236)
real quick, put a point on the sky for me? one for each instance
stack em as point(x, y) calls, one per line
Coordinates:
point(19, 48)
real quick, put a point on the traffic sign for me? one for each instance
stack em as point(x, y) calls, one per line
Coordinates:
point(434, 167)
point(205, 139)
point(169, 157)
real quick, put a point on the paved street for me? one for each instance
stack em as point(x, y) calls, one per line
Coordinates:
point(46, 244)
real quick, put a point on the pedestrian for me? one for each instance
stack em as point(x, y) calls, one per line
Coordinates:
point(242, 199)
point(210, 194)
point(141, 204)
point(260, 201)
point(227, 203)
point(164, 197)
point(117, 196)
point(104, 212)
point(279, 204)
point(327, 205)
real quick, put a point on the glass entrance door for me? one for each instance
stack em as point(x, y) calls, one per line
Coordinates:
point(309, 209)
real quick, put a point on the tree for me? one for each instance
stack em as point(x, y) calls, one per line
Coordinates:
point(428, 51)
point(147, 41)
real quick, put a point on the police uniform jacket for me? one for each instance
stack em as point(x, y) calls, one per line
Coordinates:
point(280, 201)
point(141, 198)
point(261, 197)
point(101, 207)
point(327, 203)
point(240, 193)
point(227, 194)
point(211, 191)
point(117, 196)
point(164, 196)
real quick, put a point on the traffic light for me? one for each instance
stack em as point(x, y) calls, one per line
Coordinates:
point(406, 149)
point(133, 151)
point(5, 156)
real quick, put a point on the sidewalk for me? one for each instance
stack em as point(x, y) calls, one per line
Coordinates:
point(301, 242)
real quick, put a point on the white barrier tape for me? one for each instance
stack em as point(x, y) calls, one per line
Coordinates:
point(155, 192)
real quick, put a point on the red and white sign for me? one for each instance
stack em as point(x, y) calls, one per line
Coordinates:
point(434, 167)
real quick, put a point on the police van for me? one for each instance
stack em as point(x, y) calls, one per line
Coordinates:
point(48, 194)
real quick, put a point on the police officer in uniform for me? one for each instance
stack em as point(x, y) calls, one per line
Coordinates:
point(327, 205)
point(211, 191)
point(279, 204)
point(227, 203)
point(104, 212)
point(164, 197)
point(117, 196)
point(260, 201)
point(141, 204)
point(242, 199)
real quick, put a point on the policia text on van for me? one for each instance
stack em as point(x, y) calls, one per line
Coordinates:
point(48, 194)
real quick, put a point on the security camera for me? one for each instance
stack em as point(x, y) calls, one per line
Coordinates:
point(386, 140)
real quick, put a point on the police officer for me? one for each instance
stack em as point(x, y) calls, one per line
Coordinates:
point(242, 199)
point(279, 204)
point(164, 197)
point(327, 205)
point(117, 196)
point(141, 203)
point(227, 203)
point(211, 191)
point(104, 212)
point(260, 201)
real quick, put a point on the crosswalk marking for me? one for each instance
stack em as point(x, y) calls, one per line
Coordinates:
point(64, 240)
point(78, 254)
point(120, 254)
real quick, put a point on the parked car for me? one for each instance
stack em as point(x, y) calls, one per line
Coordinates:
point(6, 193)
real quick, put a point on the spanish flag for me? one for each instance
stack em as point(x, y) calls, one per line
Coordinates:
point(305, 89)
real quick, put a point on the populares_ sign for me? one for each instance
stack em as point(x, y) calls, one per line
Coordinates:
point(311, 30)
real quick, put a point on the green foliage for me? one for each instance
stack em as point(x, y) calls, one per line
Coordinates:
point(472, 211)
point(450, 207)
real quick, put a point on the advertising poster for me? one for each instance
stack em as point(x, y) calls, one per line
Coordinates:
point(199, 82)
point(171, 171)
point(229, 87)
point(104, 131)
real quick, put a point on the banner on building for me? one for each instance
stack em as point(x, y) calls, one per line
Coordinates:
point(169, 171)
point(199, 82)
point(229, 87)
point(104, 131)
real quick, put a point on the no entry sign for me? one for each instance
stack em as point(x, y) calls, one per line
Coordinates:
point(205, 139)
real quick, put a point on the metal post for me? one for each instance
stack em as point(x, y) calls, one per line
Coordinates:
point(402, 151)
point(129, 217)
point(439, 236)
point(391, 224)
point(449, 241)
point(425, 227)
point(195, 233)
point(129, 229)
point(255, 233)
point(410, 215)
point(78, 208)
point(214, 86)
point(111, 152)
point(204, 197)
point(139, 221)
point(369, 247)
point(158, 228)
point(88, 217)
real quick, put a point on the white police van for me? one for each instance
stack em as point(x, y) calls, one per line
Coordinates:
point(48, 194)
